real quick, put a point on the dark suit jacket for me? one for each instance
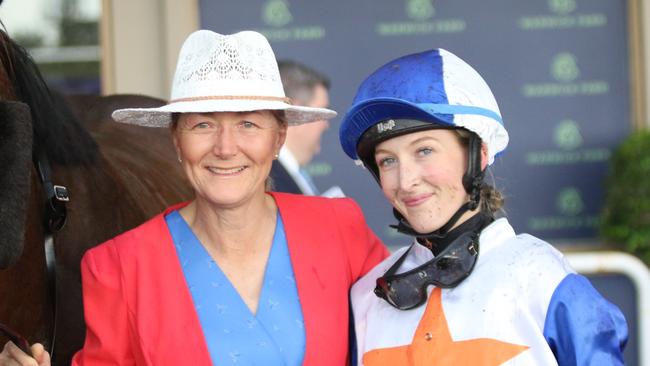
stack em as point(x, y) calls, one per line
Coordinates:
point(282, 181)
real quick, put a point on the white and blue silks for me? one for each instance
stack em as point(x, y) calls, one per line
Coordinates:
point(522, 298)
point(275, 335)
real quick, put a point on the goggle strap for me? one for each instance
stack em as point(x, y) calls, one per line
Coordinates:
point(379, 291)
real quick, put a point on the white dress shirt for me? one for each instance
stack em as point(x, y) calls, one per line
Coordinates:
point(290, 163)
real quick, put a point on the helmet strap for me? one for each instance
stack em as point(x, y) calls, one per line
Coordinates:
point(405, 228)
point(473, 177)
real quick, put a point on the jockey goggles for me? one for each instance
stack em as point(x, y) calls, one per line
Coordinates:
point(408, 290)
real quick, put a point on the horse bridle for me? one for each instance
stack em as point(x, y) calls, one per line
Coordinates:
point(54, 219)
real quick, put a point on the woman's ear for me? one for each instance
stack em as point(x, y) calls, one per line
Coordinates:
point(176, 143)
point(173, 130)
point(282, 135)
point(484, 156)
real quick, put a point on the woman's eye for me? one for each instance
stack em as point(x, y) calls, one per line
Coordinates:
point(424, 151)
point(201, 125)
point(248, 124)
point(386, 162)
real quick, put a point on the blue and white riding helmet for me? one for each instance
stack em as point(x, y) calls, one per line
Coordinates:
point(431, 89)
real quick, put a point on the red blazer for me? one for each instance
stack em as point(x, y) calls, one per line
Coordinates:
point(139, 311)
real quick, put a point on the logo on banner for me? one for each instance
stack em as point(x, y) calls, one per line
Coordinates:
point(562, 7)
point(564, 67)
point(319, 168)
point(567, 135)
point(420, 13)
point(276, 15)
point(570, 208)
point(569, 141)
point(419, 9)
point(562, 17)
point(569, 202)
point(565, 70)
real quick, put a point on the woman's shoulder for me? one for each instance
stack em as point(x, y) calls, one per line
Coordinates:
point(150, 231)
point(365, 285)
point(500, 238)
point(521, 257)
point(539, 253)
point(298, 202)
point(301, 198)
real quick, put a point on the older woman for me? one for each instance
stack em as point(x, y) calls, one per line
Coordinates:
point(468, 291)
point(239, 275)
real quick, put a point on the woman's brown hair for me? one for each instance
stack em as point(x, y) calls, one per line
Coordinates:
point(492, 200)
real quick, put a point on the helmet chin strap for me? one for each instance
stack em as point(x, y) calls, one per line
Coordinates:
point(472, 182)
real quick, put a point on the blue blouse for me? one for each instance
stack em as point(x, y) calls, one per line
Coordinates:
point(234, 335)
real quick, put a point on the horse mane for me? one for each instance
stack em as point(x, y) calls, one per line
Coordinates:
point(56, 130)
point(15, 160)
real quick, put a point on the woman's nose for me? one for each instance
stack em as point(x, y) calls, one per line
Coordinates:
point(225, 144)
point(409, 175)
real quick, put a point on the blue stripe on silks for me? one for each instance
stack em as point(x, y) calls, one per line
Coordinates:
point(460, 109)
point(582, 327)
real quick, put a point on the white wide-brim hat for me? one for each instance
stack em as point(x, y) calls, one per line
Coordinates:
point(224, 73)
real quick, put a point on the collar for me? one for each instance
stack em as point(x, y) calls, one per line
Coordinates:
point(289, 162)
point(437, 243)
point(496, 234)
point(492, 236)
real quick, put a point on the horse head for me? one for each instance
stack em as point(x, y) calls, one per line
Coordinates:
point(40, 126)
point(118, 176)
point(55, 135)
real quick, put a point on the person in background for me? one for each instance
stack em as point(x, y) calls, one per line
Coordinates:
point(307, 87)
point(468, 290)
point(239, 275)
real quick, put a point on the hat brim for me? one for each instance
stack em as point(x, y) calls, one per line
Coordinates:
point(368, 113)
point(162, 116)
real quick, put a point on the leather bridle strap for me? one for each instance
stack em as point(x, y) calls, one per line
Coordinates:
point(54, 218)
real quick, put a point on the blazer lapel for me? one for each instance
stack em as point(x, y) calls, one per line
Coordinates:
point(303, 251)
point(175, 309)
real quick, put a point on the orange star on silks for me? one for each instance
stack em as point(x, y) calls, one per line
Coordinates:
point(432, 345)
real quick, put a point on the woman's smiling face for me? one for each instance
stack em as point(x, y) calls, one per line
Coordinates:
point(421, 175)
point(227, 156)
